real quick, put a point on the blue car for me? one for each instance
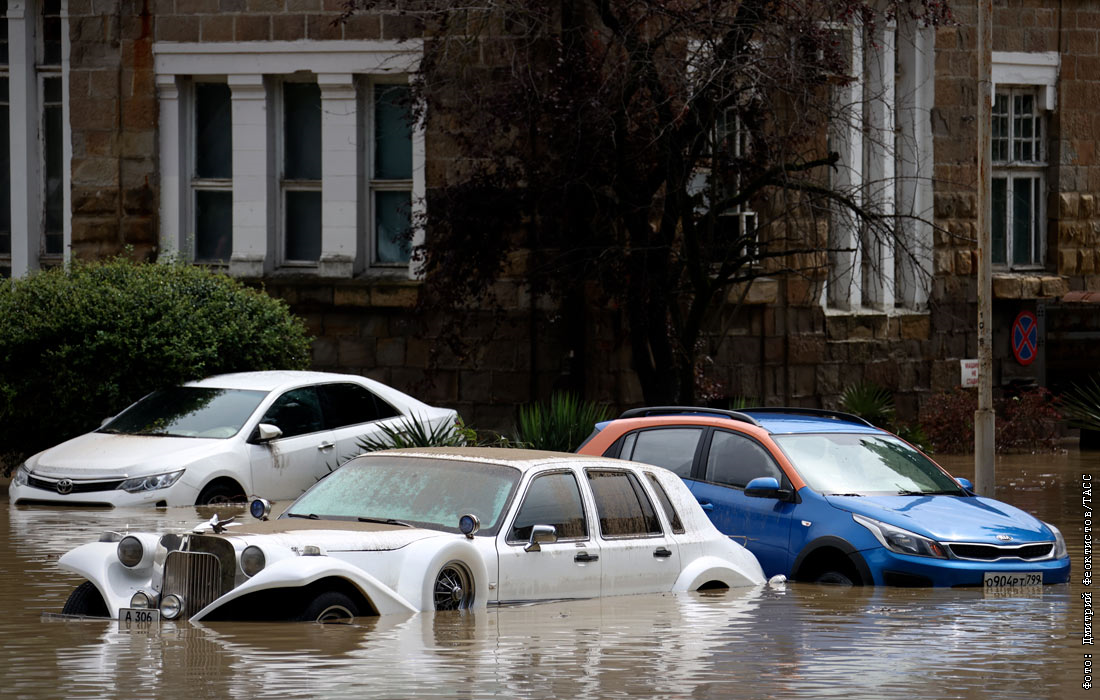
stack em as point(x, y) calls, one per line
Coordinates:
point(826, 496)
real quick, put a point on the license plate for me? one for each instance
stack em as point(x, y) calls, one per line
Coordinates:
point(1002, 579)
point(138, 619)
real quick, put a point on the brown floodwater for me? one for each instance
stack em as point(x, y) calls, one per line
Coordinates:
point(797, 640)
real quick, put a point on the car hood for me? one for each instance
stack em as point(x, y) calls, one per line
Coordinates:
point(109, 455)
point(331, 535)
point(950, 518)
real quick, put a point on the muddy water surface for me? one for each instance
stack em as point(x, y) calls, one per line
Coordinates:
point(799, 640)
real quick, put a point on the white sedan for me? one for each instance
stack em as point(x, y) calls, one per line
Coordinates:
point(220, 439)
point(402, 531)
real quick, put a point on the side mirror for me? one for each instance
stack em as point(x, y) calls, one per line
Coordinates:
point(965, 483)
point(540, 535)
point(765, 487)
point(266, 432)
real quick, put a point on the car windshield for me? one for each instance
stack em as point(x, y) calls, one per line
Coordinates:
point(853, 464)
point(188, 411)
point(431, 493)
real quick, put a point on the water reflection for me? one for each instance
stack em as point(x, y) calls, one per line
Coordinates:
point(792, 641)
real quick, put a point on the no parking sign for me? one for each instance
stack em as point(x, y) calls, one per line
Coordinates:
point(1025, 338)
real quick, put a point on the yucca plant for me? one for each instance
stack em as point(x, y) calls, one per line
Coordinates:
point(560, 425)
point(870, 402)
point(1081, 405)
point(417, 432)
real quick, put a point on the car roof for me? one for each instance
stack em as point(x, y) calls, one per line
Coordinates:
point(523, 460)
point(775, 421)
point(270, 380)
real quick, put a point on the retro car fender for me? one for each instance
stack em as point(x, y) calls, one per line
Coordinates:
point(298, 572)
point(423, 562)
point(98, 562)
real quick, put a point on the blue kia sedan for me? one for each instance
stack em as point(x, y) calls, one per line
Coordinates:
point(827, 497)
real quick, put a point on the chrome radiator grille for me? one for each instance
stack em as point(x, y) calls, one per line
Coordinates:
point(196, 577)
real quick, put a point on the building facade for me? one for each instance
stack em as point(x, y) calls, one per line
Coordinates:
point(267, 139)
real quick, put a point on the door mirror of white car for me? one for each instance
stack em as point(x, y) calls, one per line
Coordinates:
point(764, 487)
point(540, 535)
point(266, 432)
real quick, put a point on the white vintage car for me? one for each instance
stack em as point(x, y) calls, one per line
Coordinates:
point(218, 439)
point(422, 529)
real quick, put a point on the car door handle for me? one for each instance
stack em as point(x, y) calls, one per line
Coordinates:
point(662, 553)
point(707, 505)
point(585, 556)
point(325, 446)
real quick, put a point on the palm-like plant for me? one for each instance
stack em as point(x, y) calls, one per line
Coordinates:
point(1081, 404)
point(414, 431)
point(560, 425)
point(870, 402)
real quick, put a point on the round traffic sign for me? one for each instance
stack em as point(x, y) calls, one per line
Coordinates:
point(1025, 337)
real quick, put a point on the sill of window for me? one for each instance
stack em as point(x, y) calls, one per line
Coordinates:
point(1032, 284)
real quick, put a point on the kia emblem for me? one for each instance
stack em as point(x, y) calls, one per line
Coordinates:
point(65, 486)
point(1002, 538)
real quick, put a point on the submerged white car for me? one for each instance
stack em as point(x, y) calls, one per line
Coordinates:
point(422, 529)
point(220, 439)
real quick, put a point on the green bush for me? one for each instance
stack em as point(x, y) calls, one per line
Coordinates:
point(79, 345)
point(1026, 422)
point(561, 425)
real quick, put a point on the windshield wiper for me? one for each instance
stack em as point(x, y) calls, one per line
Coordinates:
point(845, 494)
point(307, 516)
point(929, 493)
point(385, 521)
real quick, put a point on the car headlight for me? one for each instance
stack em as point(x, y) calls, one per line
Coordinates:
point(1059, 543)
point(171, 606)
point(902, 541)
point(130, 551)
point(22, 476)
point(143, 599)
point(150, 483)
point(252, 560)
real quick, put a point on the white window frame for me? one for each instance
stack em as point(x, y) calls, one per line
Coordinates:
point(1015, 74)
point(196, 183)
point(253, 70)
point(375, 185)
point(284, 185)
point(885, 149)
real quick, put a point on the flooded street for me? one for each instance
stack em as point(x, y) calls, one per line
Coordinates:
point(798, 640)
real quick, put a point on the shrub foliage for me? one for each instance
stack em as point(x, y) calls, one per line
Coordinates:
point(79, 345)
point(1027, 422)
point(562, 424)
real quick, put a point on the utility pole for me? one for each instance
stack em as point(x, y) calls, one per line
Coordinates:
point(984, 418)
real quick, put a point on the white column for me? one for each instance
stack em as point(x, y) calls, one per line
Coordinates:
point(172, 154)
point(845, 280)
point(419, 190)
point(253, 217)
point(878, 263)
point(339, 175)
point(916, 97)
point(26, 178)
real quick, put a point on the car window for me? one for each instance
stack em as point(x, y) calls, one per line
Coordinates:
point(351, 404)
point(297, 412)
point(188, 411)
point(552, 499)
point(623, 506)
point(735, 460)
point(666, 504)
point(671, 448)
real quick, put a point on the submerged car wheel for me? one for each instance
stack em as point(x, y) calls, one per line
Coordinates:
point(330, 606)
point(454, 587)
point(85, 600)
point(834, 578)
point(219, 494)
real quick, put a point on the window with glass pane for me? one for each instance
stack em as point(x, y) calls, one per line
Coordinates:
point(53, 144)
point(555, 500)
point(1019, 190)
point(391, 175)
point(212, 180)
point(302, 172)
point(5, 170)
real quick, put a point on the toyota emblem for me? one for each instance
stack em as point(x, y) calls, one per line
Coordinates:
point(65, 486)
point(1002, 538)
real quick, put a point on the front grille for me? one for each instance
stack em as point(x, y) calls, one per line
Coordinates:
point(992, 552)
point(78, 486)
point(196, 577)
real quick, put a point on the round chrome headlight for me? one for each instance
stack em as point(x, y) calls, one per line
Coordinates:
point(252, 560)
point(141, 599)
point(469, 524)
point(171, 606)
point(130, 551)
point(260, 508)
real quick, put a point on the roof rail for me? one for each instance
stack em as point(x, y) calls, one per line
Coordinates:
point(678, 410)
point(820, 412)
